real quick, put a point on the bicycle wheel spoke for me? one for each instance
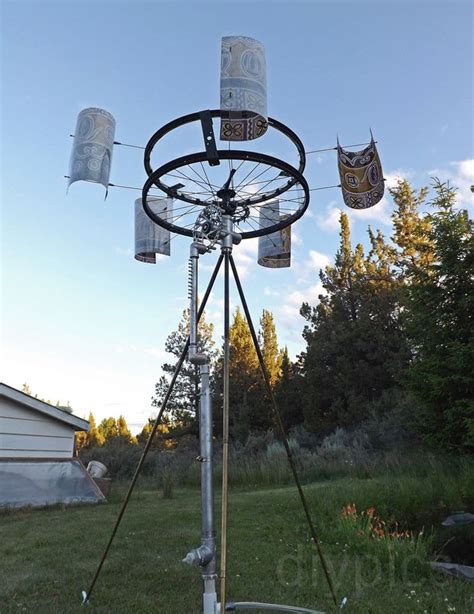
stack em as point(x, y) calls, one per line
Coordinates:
point(257, 228)
point(201, 184)
point(247, 175)
point(183, 207)
point(191, 210)
point(254, 180)
point(257, 176)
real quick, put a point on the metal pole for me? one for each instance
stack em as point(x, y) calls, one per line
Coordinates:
point(226, 250)
point(86, 595)
point(281, 428)
point(208, 533)
point(205, 554)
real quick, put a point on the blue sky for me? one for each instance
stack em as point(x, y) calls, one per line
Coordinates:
point(82, 321)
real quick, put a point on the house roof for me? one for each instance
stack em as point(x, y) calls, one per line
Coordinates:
point(45, 408)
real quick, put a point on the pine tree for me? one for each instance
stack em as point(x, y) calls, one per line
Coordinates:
point(243, 376)
point(94, 436)
point(250, 407)
point(89, 439)
point(26, 389)
point(161, 439)
point(272, 357)
point(287, 393)
point(439, 318)
point(355, 350)
point(183, 405)
point(80, 441)
point(123, 432)
point(108, 429)
point(411, 230)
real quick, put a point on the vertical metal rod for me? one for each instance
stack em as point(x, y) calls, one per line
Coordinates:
point(206, 458)
point(208, 533)
point(225, 436)
point(281, 428)
point(179, 364)
point(205, 554)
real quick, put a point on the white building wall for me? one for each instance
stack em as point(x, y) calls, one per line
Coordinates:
point(30, 434)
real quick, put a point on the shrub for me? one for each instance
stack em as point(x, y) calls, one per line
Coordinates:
point(366, 531)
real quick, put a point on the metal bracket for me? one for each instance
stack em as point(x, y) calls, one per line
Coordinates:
point(209, 138)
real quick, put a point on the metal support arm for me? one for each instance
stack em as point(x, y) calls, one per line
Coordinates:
point(281, 428)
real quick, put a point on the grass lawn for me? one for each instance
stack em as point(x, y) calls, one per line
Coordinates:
point(48, 556)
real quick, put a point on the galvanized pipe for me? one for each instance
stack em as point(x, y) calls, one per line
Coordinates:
point(205, 554)
point(208, 533)
point(227, 243)
point(87, 595)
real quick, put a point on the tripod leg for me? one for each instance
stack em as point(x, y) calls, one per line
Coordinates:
point(225, 438)
point(179, 364)
point(281, 428)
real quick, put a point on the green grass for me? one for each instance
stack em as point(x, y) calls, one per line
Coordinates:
point(48, 556)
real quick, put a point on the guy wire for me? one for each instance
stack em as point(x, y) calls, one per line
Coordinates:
point(335, 148)
point(129, 187)
point(306, 152)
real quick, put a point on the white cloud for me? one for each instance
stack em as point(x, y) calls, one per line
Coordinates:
point(463, 180)
point(380, 213)
point(245, 256)
point(288, 313)
point(330, 220)
point(392, 178)
point(461, 175)
point(269, 292)
point(296, 237)
point(306, 268)
point(466, 168)
point(318, 259)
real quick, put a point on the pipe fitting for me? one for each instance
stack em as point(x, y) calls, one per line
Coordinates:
point(199, 556)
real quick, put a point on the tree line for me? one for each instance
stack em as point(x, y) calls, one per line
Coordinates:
point(390, 336)
point(395, 324)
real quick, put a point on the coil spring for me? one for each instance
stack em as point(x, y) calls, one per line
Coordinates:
point(190, 278)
